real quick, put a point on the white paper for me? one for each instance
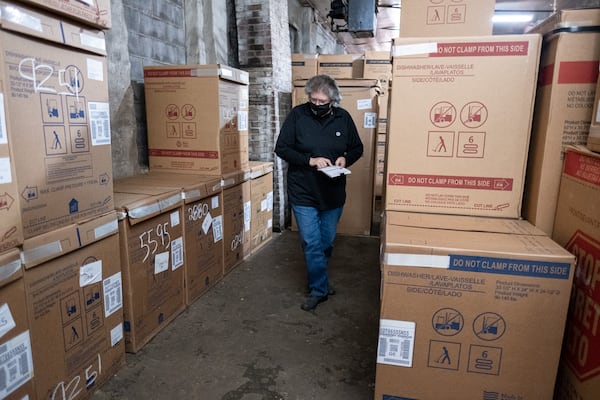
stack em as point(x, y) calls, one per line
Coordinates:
point(218, 228)
point(206, 224)
point(334, 171)
point(116, 334)
point(113, 294)
point(16, 357)
point(396, 342)
point(214, 202)
point(90, 273)
point(247, 216)
point(175, 218)
point(161, 262)
point(177, 252)
point(6, 320)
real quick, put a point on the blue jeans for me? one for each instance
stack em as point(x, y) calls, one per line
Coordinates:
point(317, 231)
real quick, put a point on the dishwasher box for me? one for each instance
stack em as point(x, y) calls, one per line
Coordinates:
point(16, 360)
point(577, 228)
point(475, 304)
point(563, 106)
point(152, 258)
point(237, 214)
point(197, 118)
point(459, 124)
point(74, 291)
point(261, 202)
point(56, 118)
point(95, 13)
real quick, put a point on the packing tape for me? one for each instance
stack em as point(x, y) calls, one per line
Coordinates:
point(416, 260)
point(9, 269)
point(412, 49)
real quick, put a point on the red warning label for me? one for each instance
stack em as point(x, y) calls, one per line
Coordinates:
point(456, 182)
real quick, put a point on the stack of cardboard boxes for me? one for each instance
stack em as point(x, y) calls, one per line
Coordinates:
point(61, 290)
point(471, 292)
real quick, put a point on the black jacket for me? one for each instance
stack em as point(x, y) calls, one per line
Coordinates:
point(304, 136)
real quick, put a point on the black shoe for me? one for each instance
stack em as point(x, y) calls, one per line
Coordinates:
point(311, 302)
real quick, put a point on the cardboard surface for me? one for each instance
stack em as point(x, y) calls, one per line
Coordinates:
point(261, 202)
point(16, 360)
point(563, 107)
point(197, 118)
point(341, 66)
point(57, 120)
point(378, 65)
point(486, 288)
point(304, 66)
point(593, 140)
point(95, 13)
point(576, 228)
point(152, 258)
point(459, 124)
point(237, 216)
point(75, 309)
point(419, 18)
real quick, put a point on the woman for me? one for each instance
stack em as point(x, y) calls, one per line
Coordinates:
point(318, 134)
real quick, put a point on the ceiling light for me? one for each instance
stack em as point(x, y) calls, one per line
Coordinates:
point(511, 18)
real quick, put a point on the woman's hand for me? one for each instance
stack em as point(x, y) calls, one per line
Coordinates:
point(319, 162)
point(340, 162)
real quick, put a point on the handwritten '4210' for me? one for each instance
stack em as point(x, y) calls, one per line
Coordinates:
point(70, 78)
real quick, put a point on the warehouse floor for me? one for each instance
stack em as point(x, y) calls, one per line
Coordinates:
point(248, 339)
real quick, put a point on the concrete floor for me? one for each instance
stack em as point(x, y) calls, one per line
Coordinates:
point(248, 339)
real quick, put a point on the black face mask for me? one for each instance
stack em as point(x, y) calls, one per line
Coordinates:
point(321, 110)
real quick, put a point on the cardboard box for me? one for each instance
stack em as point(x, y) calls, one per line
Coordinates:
point(304, 66)
point(341, 66)
point(55, 94)
point(576, 228)
point(378, 65)
point(95, 13)
point(379, 167)
point(460, 122)
point(75, 311)
point(431, 18)
point(11, 227)
point(563, 106)
point(152, 248)
point(261, 202)
point(237, 216)
point(383, 108)
point(197, 118)
point(202, 219)
point(492, 298)
point(16, 360)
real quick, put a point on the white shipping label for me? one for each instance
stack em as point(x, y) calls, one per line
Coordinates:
point(270, 223)
point(90, 273)
point(6, 320)
point(161, 262)
point(5, 171)
point(3, 133)
point(597, 112)
point(370, 120)
point(177, 252)
point(95, 70)
point(116, 334)
point(214, 202)
point(263, 205)
point(207, 223)
point(175, 218)
point(93, 41)
point(396, 342)
point(270, 201)
point(412, 49)
point(16, 363)
point(242, 120)
point(247, 216)
point(218, 228)
point(364, 104)
point(113, 294)
point(99, 122)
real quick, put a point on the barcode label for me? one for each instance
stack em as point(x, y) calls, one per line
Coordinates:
point(177, 253)
point(396, 342)
point(113, 294)
point(16, 363)
point(218, 228)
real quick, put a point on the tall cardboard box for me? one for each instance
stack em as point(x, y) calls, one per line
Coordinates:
point(197, 118)
point(74, 292)
point(341, 66)
point(576, 228)
point(202, 220)
point(419, 18)
point(304, 66)
point(460, 122)
point(359, 98)
point(151, 242)
point(95, 13)
point(237, 216)
point(16, 360)
point(261, 202)
point(55, 91)
point(475, 305)
point(11, 227)
point(563, 106)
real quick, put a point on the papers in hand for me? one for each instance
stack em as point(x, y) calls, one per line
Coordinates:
point(334, 171)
